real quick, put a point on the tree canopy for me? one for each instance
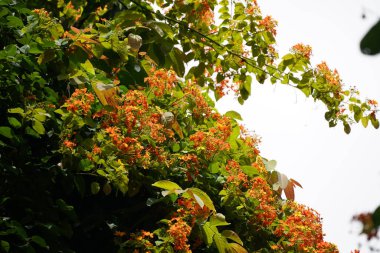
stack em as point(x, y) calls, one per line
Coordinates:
point(110, 140)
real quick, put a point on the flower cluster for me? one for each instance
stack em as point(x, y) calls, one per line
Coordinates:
point(194, 96)
point(331, 77)
point(266, 211)
point(302, 229)
point(215, 140)
point(80, 101)
point(269, 24)
point(161, 81)
point(302, 50)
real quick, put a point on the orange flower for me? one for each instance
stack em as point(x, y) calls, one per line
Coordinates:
point(69, 144)
point(119, 233)
point(269, 24)
point(303, 50)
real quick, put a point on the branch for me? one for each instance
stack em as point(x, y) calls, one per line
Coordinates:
point(212, 41)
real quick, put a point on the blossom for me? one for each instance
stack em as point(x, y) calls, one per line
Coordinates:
point(161, 81)
point(269, 24)
point(303, 50)
point(179, 230)
point(80, 101)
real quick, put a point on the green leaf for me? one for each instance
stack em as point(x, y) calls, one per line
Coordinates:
point(14, 22)
point(17, 110)
point(5, 245)
point(347, 128)
point(201, 197)
point(364, 121)
point(14, 122)
point(46, 56)
point(176, 147)
point(221, 243)
point(232, 235)
point(95, 187)
point(376, 217)
point(250, 170)
point(234, 115)
point(39, 241)
point(218, 219)
point(247, 84)
point(31, 132)
point(87, 66)
point(208, 233)
point(6, 132)
point(38, 127)
point(167, 185)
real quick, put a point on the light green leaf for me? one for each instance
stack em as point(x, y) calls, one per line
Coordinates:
point(234, 115)
point(38, 127)
point(250, 170)
point(208, 233)
point(87, 66)
point(167, 185)
point(218, 220)
point(201, 197)
point(364, 121)
point(17, 110)
point(14, 122)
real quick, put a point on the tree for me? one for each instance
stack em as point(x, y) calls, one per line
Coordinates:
point(110, 140)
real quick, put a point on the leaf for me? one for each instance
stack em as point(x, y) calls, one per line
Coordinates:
point(218, 219)
point(208, 233)
point(232, 235)
point(31, 132)
point(236, 248)
point(14, 122)
point(46, 56)
point(282, 180)
point(5, 245)
point(167, 185)
point(39, 241)
point(250, 170)
point(14, 22)
point(107, 188)
point(364, 121)
point(177, 128)
point(234, 115)
point(17, 110)
point(270, 165)
point(6, 132)
point(87, 66)
point(38, 127)
point(376, 217)
point(347, 128)
point(221, 243)
point(95, 187)
point(106, 93)
point(201, 197)
point(289, 191)
point(296, 183)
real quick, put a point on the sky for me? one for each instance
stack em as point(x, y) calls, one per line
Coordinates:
point(340, 173)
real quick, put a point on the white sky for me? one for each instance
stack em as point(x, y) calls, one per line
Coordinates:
point(340, 173)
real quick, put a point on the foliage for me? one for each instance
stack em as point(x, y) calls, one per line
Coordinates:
point(110, 141)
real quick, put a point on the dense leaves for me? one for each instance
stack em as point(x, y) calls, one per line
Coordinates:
point(110, 142)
